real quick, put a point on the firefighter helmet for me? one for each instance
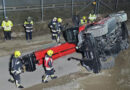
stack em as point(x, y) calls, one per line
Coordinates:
point(17, 54)
point(29, 18)
point(50, 52)
point(55, 19)
point(94, 3)
point(84, 17)
point(59, 20)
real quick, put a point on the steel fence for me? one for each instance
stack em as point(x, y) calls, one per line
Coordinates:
point(42, 10)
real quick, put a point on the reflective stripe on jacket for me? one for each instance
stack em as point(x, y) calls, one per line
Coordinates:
point(92, 17)
point(82, 21)
point(16, 64)
point(28, 26)
point(48, 62)
point(7, 25)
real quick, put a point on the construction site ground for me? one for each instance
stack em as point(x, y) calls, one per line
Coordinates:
point(71, 76)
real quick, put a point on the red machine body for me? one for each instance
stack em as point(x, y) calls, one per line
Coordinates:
point(81, 28)
point(59, 51)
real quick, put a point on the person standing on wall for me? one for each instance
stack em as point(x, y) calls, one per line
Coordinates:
point(28, 24)
point(92, 17)
point(59, 29)
point(7, 26)
point(76, 20)
point(83, 20)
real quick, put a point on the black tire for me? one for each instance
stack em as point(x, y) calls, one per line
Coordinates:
point(94, 62)
point(108, 63)
point(124, 31)
point(125, 36)
point(29, 62)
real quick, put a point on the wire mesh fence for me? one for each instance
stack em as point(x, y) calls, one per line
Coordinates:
point(44, 10)
point(38, 9)
point(19, 10)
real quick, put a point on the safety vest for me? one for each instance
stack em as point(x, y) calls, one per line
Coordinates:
point(92, 17)
point(46, 62)
point(7, 25)
point(82, 21)
point(28, 26)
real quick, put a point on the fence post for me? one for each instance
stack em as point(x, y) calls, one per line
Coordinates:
point(72, 7)
point(116, 6)
point(42, 9)
point(4, 8)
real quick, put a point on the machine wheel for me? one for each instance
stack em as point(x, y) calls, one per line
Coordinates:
point(29, 62)
point(108, 63)
point(94, 62)
point(125, 36)
point(124, 31)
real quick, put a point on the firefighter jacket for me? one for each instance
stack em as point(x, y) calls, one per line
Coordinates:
point(28, 26)
point(53, 25)
point(16, 65)
point(82, 22)
point(76, 20)
point(59, 26)
point(48, 62)
point(92, 17)
point(7, 25)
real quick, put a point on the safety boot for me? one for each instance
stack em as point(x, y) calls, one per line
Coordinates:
point(44, 79)
point(20, 86)
point(53, 77)
point(10, 80)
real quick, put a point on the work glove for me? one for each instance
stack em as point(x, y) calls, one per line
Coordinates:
point(13, 71)
point(23, 69)
point(18, 72)
point(51, 26)
point(77, 47)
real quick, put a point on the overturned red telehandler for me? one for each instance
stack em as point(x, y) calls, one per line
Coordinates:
point(102, 41)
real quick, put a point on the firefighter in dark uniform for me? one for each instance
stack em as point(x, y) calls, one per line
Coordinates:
point(76, 20)
point(59, 29)
point(48, 64)
point(55, 26)
point(16, 68)
point(28, 24)
point(52, 25)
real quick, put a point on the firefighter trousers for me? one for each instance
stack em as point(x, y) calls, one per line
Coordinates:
point(7, 35)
